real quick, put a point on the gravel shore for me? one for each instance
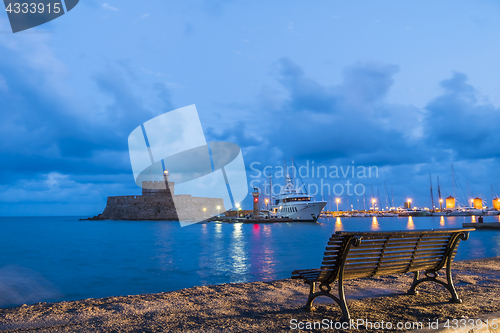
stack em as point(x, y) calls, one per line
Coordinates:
point(265, 306)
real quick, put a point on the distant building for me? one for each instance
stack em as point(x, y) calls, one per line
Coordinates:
point(478, 203)
point(450, 202)
point(496, 203)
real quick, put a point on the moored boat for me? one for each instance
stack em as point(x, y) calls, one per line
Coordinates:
point(295, 203)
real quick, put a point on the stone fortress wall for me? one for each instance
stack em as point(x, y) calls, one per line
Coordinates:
point(158, 202)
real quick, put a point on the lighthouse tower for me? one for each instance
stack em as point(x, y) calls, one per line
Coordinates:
point(255, 194)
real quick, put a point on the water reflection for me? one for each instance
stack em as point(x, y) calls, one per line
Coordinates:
point(256, 230)
point(453, 221)
point(375, 226)
point(267, 230)
point(441, 221)
point(164, 247)
point(237, 251)
point(262, 253)
point(338, 224)
point(473, 219)
point(410, 225)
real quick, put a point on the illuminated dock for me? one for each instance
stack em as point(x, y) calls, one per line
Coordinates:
point(487, 225)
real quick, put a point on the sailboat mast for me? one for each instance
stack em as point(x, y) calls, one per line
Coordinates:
point(453, 178)
point(432, 196)
point(392, 196)
point(439, 195)
point(469, 194)
point(271, 189)
point(387, 199)
point(378, 195)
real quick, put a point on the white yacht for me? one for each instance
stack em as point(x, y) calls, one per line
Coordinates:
point(295, 204)
point(466, 211)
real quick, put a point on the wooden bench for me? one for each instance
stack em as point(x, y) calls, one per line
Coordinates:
point(352, 255)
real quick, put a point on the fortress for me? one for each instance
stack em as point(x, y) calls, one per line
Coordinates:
point(158, 202)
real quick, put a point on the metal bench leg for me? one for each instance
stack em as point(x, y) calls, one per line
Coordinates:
point(311, 297)
point(312, 285)
point(450, 286)
point(343, 304)
point(414, 285)
point(432, 276)
point(325, 291)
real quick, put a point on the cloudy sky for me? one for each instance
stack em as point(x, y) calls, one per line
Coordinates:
point(410, 87)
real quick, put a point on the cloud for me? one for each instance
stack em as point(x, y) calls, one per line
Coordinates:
point(368, 83)
point(456, 122)
point(109, 7)
point(51, 134)
point(353, 121)
point(348, 120)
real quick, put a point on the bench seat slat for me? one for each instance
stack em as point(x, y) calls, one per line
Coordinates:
point(400, 233)
point(398, 246)
point(331, 253)
point(393, 263)
point(364, 249)
point(377, 253)
point(389, 253)
point(381, 241)
point(405, 258)
point(392, 255)
point(366, 272)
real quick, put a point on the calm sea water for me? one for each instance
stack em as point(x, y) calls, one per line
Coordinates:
point(47, 259)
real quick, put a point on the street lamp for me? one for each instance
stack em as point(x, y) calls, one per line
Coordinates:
point(337, 201)
point(218, 211)
point(440, 204)
point(373, 203)
point(239, 211)
point(238, 208)
point(204, 210)
point(408, 204)
point(267, 200)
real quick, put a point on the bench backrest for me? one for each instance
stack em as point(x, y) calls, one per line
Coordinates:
point(366, 254)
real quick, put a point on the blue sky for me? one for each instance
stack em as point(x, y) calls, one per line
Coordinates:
point(410, 87)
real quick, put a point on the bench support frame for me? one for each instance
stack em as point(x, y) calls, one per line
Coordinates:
point(433, 275)
point(325, 286)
